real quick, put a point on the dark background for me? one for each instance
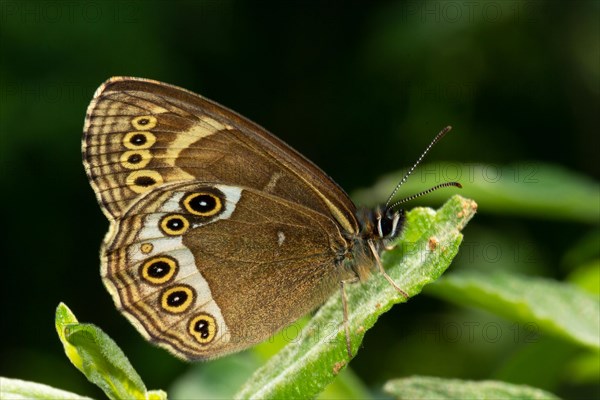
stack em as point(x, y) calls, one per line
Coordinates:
point(359, 88)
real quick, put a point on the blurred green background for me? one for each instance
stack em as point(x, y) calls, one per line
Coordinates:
point(359, 88)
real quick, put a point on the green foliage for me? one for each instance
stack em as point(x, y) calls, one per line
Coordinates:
point(18, 389)
point(529, 189)
point(99, 358)
point(428, 388)
point(554, 307)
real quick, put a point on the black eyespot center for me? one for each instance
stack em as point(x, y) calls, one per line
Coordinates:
point(175, 223)
point(177, 298)
point(203, 203)
point(134, 158)
point(159, 269)
point(202, 327)
point(144, 181)
point(143, 121)
point(139, 138)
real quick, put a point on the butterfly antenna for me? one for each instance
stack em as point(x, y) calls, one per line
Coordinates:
point(436, 187)
point(410, 171)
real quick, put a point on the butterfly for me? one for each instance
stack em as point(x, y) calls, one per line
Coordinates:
point(220, 233)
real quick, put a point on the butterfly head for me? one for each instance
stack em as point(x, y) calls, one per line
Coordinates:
point(389, 222)
point(385, 222)
point(381, 223)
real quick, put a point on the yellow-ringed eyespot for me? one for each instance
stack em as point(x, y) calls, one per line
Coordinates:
point(137, 140)
point(174, 224)
point(144, 122)
point(143, 180)
point(135, 159)
point(203, 327)
point(204, 204)
point(158, 270)
point(146, 248)
point(177, 299)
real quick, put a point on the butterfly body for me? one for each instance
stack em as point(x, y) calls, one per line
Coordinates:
point(221, 234)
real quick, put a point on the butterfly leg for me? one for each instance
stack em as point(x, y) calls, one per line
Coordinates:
point(343, 284)
point(382, 270)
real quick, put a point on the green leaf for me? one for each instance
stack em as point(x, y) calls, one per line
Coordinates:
point(318, 354)
point(528, 188)
point(558, 308)
point(217, 379)
point(18, 389)
point(584, 369)
point(522, 364)
point(222, 377)
point(587, 277)
point(430, 388)
point(347, 385)
point(99, 358)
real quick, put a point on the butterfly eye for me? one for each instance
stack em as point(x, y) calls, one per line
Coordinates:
point(204, 204)
point(203, 327)
point(174, 224)
point(177, 299)
point(387, 223)
point(158, 270)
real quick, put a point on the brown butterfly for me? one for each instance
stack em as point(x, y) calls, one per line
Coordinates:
point(220, 233)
